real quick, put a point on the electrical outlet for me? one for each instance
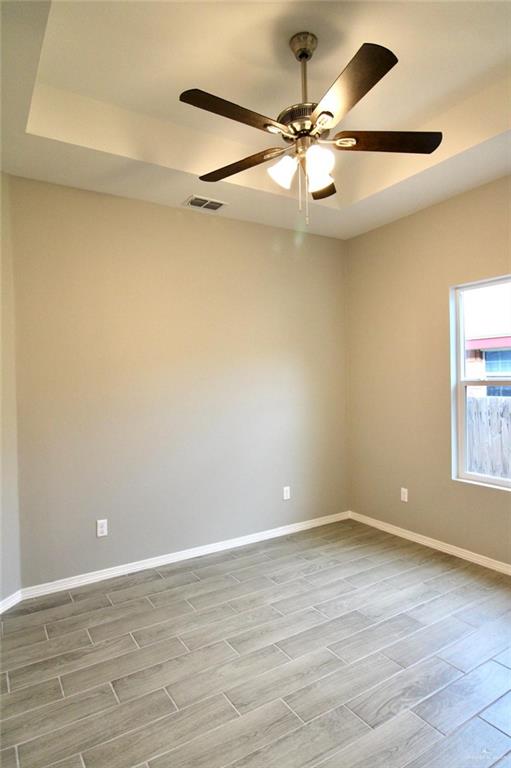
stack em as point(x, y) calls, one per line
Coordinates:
point(404, 494)
point(286, 492)
point(101, 528)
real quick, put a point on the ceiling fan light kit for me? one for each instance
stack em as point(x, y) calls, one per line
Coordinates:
point(305, 127)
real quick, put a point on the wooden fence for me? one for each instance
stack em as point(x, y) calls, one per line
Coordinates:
point(489, 436)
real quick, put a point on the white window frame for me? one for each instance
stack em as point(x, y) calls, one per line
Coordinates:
point(459, 385)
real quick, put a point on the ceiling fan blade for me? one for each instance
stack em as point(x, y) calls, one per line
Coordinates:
point(366, 68)
point(243, 165)
point(418, 142)
point(210, 103)
point(320, 194)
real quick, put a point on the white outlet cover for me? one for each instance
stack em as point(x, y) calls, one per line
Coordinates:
point(101, 528)
point(404, 494)
point(286, 492)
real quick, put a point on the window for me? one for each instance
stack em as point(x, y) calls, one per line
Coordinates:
point(481, 374)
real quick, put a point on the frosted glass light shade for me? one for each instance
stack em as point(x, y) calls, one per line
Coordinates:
point(319, 181)
point(319, 160)
point(283, 171)
point(319, 163)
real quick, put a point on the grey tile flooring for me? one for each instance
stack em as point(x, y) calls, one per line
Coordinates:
point(309, 745)
point(389, 746)
point(171, 671)
point(335, 689)
point(325, 633)
point(504, 763)
point(16, 623)
point(165, 629)
point(275, 630)
point(222, 677)
point(38, 721)
point(162, 735)
point(475, 745)
point(459, 701)
point(337, 647)
point(96, 617)
point(27, 654)
point(283, 680)
point(233, 741)
point(22, 638)
point(499, 714)
point(402, 691)
point(504, 658)
point(107, 670)
point(8, 758)
point(481, 645)
point(84, 734)
point(375, 637)
point(32, 696)
point(232, 626)
point(70, 661)
point(427, 641)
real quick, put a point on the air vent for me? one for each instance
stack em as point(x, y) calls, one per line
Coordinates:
point(203, 203)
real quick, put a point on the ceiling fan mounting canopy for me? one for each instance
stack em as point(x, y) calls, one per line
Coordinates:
point(308, 123)
point(303, 45)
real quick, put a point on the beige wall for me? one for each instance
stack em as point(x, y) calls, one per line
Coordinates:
point(399, 382)
point(175, 370)
point(10, 577)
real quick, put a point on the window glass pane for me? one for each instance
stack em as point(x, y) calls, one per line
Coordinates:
point(486, 331)
point(488, 431)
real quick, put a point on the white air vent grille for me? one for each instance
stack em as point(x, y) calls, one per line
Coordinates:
point(203, 203)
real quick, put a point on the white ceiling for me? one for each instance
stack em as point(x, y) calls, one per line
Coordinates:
point(91, 99)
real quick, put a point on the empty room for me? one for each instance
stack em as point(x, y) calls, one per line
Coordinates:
point(255, 384)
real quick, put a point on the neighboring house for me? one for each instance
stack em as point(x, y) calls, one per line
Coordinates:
point(486, 357)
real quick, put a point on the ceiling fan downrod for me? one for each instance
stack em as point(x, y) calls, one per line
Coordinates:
point(303, 45)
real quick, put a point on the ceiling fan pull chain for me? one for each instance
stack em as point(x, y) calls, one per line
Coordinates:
point(306, 199)
point(300, 187)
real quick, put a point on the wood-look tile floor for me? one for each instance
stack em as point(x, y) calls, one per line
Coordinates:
point(339, 647)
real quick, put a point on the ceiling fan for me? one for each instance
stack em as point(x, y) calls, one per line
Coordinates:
point(305, 127)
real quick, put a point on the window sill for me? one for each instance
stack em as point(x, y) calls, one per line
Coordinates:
point(482, 484)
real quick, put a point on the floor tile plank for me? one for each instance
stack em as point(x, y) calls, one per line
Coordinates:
point(275, 631)
point(68, 662)
point(283, 680)
point(233, 625)
point(52, 716)
point(161, 735)
point(33, 696)
point(459, 701)
point(325, 633)
point(233, 741)
point(499, 714)
point(475, 745)
point(402, 691)
point(28, 654)
point(339, 687)
point(309, 745)
point(481, 645)
point(109, 669)
point(428, 641)
point(375, 637)
point(388, 746)
point(222, 677)
point(171, 671)
point(85, 734)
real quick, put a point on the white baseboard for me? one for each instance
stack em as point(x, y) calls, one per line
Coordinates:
point(173, 557)
point(10, 600)
point(442, 546)
point(153, 562)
